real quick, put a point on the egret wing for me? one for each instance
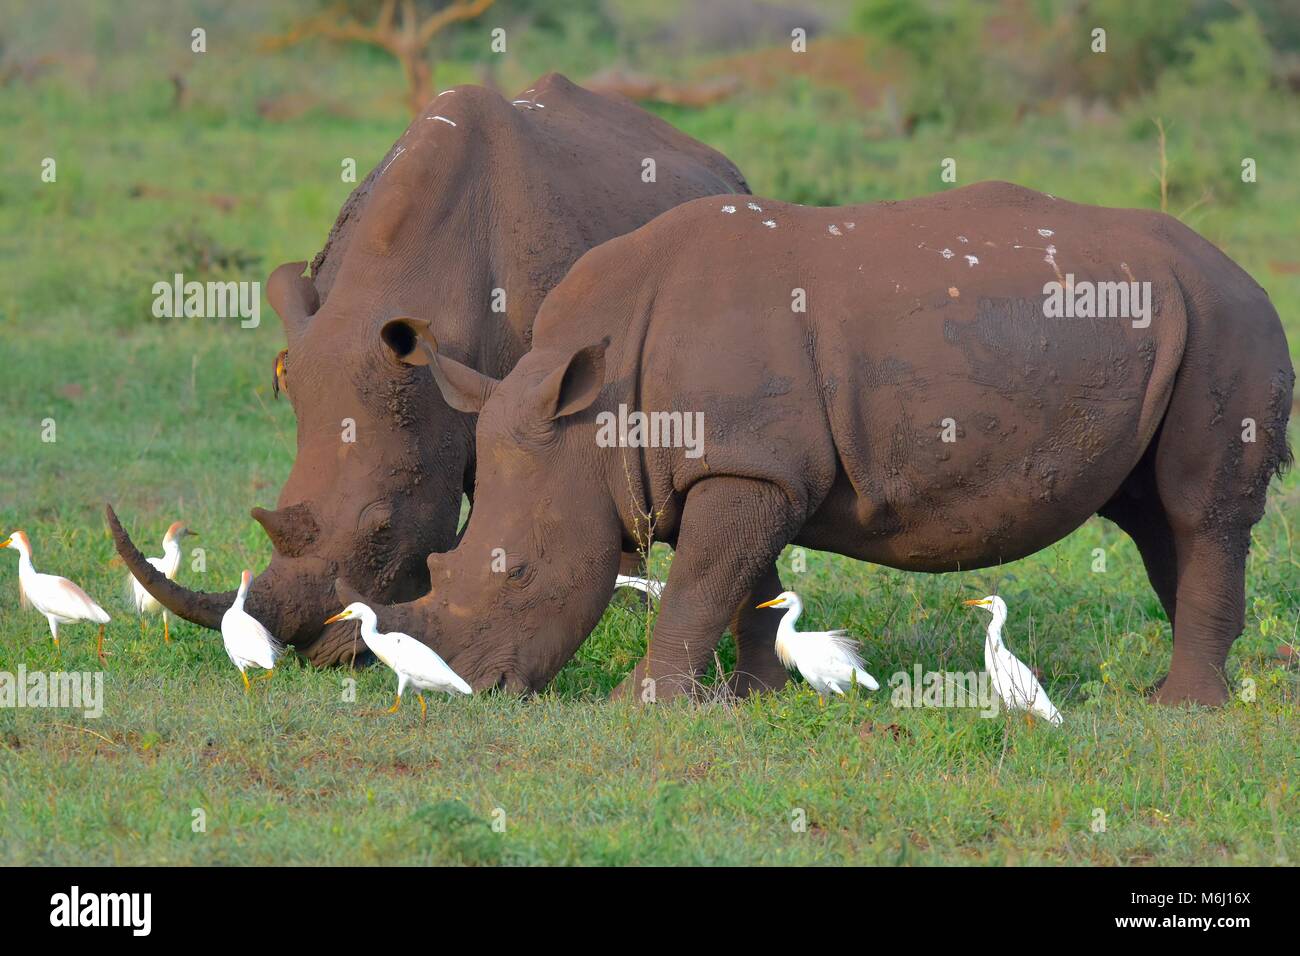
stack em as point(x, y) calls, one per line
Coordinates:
point(1022, 687)
point(247, 640)
point(852, 667)
point(831, 658)
point(139, 595)
point(424, 667)
point(59, 596)
point(652, 588)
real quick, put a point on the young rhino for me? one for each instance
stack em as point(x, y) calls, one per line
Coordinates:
point(898, 383)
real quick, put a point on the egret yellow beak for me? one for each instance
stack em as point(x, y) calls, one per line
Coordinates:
point(341, 615)
point(772, 603)
point(976, 602)
point(5, 542)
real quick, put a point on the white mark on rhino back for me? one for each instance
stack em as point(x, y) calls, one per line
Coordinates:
point(397, 152)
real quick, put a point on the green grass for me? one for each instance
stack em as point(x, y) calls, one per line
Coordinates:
point(170, 419)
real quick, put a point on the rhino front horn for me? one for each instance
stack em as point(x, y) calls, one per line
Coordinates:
point(292, 530)
point(201, 607)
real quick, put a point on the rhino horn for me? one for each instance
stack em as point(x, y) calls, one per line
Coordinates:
point(292, 530)
point(200, 607)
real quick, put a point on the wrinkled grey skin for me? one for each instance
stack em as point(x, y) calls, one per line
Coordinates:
point(826, 428)
point(506, 199)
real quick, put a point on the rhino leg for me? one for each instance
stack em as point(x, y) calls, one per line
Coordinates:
point(758, 668)
point(731, 532)
point(1211, 480)
point(1138, 512)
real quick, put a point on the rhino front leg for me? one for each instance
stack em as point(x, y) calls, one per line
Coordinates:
point(731, 533)
point(758, 668)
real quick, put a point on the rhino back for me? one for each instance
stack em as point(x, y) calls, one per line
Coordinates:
point(838, 345)
point(559, 168)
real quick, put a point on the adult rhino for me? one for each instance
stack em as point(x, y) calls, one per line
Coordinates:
point(831, 352)
point(472, 216)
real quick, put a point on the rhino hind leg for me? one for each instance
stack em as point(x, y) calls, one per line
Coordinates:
point(758, 669)
point(731, 532)
point(1138, 512)
point(1212, 479)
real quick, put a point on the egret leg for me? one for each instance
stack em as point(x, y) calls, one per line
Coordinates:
point(247, 685)
point(266, 675)
point(167, 634)
point(710, 576)
point(396, 704)
point(142, 625)
point(99, 645)
point(424, 710)
point(54, 631)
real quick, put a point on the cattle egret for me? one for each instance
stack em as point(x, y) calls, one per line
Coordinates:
point(1014, 682)
point(247, 641)
point(652, 588)
point(167, 565)
point(61, 601)
point(828, 660)
point(413, 662)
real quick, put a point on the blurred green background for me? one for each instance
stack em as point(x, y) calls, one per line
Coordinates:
point(223, 164)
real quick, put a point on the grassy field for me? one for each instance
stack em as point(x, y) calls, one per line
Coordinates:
point(172, 419)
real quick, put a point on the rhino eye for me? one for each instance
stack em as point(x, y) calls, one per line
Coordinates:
point(521, 576)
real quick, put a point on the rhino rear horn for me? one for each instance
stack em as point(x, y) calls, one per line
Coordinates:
point(293, 296)
point(292, 530)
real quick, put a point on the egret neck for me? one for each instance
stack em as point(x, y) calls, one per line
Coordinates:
point(785, 630)
point(171, 557)
point(379, 643)
point(994, 638)
point(25, 567)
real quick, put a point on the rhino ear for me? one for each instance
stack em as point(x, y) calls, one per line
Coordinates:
point(573, 385)
point(293, 296)
point(409, 340)
point(412, 343)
